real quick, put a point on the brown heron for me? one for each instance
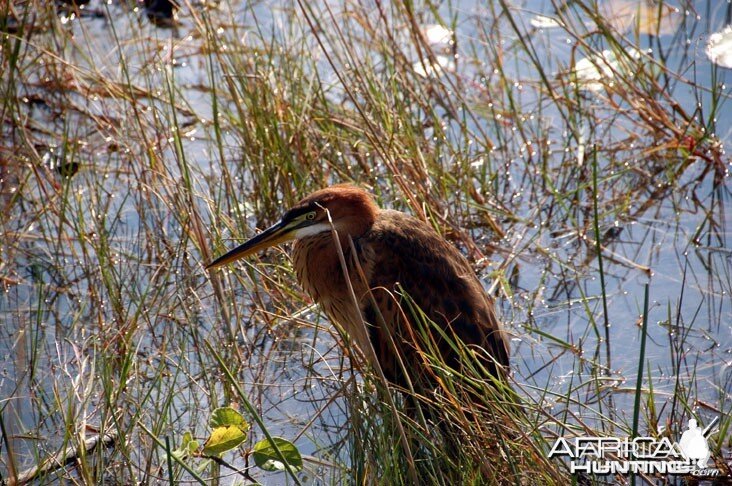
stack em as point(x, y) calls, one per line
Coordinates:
point(392, 259)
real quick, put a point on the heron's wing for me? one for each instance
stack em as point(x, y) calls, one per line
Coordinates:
point(405, 255)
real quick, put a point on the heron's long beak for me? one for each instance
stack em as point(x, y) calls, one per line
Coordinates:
point(274, 235)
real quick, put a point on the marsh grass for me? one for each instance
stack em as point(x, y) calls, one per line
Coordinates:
point(132, 155)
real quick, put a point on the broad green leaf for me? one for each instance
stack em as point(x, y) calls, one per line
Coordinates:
point(265, 456)
point(224, 416)
point(224, 439)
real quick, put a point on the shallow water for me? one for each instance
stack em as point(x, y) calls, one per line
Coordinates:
point(675, 239)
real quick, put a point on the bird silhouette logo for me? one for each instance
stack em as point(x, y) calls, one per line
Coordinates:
point(694, 445)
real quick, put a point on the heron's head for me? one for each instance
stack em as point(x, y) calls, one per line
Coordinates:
point(350, 208)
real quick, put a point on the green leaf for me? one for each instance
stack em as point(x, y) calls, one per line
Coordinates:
point(187, 448)
point(229, 430)
point(265, 456)
point(225, 416)
point(224, 439)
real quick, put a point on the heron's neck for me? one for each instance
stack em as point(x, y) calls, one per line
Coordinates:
point(320, 273)
point(317, 264)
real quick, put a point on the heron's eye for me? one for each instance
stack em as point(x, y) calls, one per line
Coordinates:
point(310, 216)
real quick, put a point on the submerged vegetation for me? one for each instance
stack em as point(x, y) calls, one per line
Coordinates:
point(574, 152)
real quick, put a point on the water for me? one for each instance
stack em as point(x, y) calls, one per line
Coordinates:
point(66, 304)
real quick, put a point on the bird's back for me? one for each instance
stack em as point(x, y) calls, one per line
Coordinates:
point(403, 255)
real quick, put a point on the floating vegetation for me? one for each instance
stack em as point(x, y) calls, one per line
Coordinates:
point(597, 72)
point(576, 153)
point(440, 39)
point(719, 48)
point(161, 12)
point(544, 22)
point(641, 16)
point(441, 42)
point(441, 65)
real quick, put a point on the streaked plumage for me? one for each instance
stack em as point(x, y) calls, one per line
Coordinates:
point(396, 253)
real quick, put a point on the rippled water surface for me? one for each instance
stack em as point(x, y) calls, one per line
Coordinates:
point(112, 198)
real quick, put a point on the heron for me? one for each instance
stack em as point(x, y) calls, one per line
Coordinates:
point(391, 259)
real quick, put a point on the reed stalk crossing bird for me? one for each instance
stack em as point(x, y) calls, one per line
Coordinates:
point(393, 260)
